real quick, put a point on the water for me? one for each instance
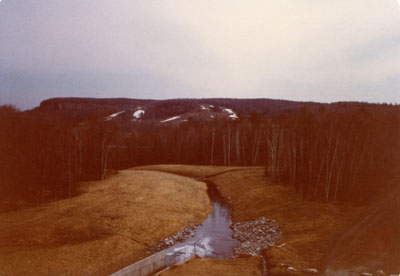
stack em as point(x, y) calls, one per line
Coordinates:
point(213, 238)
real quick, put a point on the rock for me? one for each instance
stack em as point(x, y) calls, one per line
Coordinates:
point(310, 271)
point(380, 273)
point(291, 268)
point(366, 274)
point(181, 236)
point(254, 235)
point(284, 265)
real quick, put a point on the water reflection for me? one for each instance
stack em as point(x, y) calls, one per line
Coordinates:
point(213, 238)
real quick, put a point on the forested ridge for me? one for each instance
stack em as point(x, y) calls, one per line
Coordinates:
point(336, 152)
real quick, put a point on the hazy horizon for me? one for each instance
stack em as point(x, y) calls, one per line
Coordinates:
point(321, 51)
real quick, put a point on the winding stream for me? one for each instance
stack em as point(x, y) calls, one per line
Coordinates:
point(213, 238)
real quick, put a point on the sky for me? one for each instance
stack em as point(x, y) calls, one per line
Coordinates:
point(303, 50)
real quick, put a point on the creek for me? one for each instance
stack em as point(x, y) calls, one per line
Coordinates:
point(213, 238)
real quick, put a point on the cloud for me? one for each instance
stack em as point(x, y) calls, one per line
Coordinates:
point(201, 48)
point(378, 48)
point(78, 84)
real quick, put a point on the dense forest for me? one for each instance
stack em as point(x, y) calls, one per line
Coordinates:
point(330, 153)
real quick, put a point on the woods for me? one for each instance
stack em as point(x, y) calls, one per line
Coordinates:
point(38, 156)
point(331, 154)
point(334, 156)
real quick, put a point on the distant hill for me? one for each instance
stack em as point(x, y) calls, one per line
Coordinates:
point(66, 140)
point(168, 111)
point(175, 111)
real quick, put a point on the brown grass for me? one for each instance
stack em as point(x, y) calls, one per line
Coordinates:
point(123, 214)
point(135, 208)
point(192, 170)
point(309, 228)
point(210, 267)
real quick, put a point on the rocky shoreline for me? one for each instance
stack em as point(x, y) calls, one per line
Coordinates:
point(255, 236)
point(182, 235)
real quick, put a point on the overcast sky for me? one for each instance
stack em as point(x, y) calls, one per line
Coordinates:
point(315, 50)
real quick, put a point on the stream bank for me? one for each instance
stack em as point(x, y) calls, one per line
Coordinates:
point(218, 238)
point(211, 239)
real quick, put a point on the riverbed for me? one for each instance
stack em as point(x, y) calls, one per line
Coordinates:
point(213, 238)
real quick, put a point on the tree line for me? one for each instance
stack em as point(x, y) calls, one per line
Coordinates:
point(327, 154)
point(335, 156)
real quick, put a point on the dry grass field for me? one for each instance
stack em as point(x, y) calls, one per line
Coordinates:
point(309, 228)
point(210, 267)
point(121, 215)
point(192, 170)
point(133, 209)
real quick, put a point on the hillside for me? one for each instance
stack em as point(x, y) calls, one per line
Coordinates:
point(173, 111)
point(310, 230)
point(134, 112)
point(121, 216)
point(160, 109)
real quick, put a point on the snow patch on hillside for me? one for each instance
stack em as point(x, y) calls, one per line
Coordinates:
point(207, 107)
point(203, 107)
point(232, 114)
point(138, 114)
point(170, 119)
point(110, 117)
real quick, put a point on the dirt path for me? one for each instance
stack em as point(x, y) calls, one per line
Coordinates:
point(121, 215)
